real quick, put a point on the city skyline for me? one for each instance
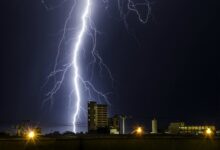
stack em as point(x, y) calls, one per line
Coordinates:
point(166, 68)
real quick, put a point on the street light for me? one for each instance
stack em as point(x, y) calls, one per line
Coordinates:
point(31, 135)
point(139, 130)
point(208, 132)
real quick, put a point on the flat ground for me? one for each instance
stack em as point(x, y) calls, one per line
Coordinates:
point(112, 143)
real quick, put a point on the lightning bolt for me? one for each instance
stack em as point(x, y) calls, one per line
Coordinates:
point(76, 63)
point(87, 26)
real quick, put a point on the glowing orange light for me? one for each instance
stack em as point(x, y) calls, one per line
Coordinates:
point(139, 130)
point(208, 131)
point(31, 135)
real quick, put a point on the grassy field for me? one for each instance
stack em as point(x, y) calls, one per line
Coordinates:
point(112, 143)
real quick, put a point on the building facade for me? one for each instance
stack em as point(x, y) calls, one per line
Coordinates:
point(196, 129)
point(97, 116)
point(181, 128)
point(174, 127)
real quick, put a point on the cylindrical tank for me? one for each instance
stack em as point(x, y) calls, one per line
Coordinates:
point(154, 126)
point(123, 125)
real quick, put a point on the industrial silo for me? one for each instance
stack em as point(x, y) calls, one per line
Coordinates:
point(154, 126)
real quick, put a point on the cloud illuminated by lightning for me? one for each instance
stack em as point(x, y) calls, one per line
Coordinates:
point(87, 28)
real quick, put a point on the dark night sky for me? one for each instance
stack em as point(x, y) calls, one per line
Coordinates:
point(171, 73)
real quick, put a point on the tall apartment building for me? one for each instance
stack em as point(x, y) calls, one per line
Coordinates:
point(97, 116)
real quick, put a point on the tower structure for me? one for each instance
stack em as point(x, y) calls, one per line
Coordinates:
point(123, 117)
point(154, 126)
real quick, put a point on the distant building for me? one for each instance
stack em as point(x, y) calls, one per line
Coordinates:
point(114, 124)
point(174, 127)
point(92, 115)
point(196, 129)
point(181, 128)
point(97, 117)
point(218, 132)
point(154, 126)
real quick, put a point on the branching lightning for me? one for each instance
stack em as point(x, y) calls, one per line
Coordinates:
point(76, 64)
point(87, 28)
point(133, 7)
